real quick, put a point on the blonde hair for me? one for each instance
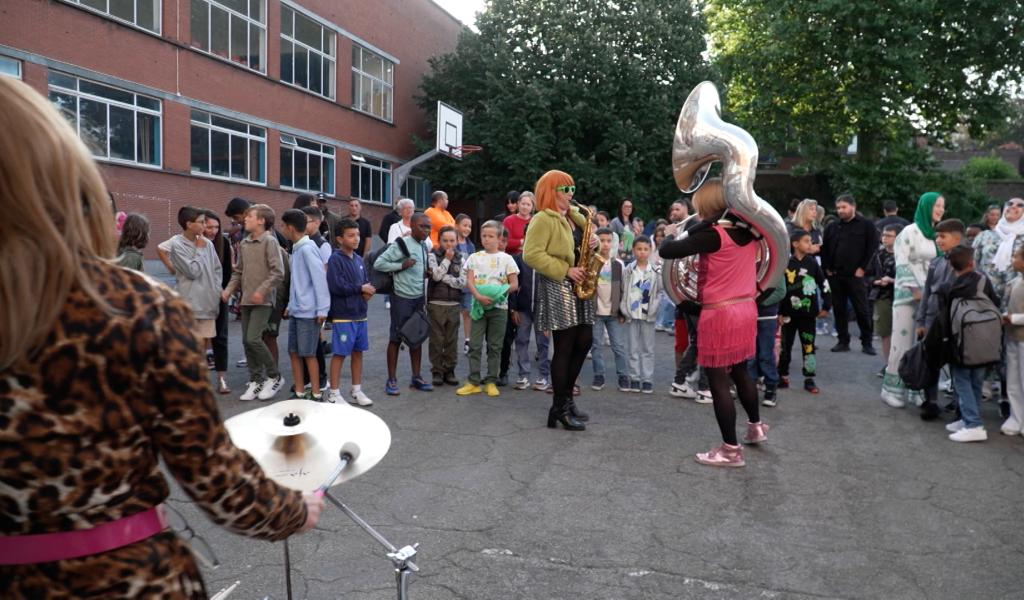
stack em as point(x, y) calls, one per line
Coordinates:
point(264, 212)
point(57, 217)
point(800, 214)
point(709, 200)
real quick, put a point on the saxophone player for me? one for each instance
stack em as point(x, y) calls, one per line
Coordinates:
point(550, 250)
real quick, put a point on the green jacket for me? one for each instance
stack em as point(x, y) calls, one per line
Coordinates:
point(497, 292)
point(549, 247)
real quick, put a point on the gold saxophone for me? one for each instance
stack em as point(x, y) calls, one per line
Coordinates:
point(590, 261)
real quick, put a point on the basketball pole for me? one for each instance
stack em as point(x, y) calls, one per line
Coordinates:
point(399, 175)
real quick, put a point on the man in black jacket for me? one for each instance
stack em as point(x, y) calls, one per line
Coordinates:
point(846, 252)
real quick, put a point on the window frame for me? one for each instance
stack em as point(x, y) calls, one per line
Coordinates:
point(249, 21)
point(17, 63)
point(325, 31)
point(368, 162)
point(135, 108)
point(417, 185)
point(357, 78)
point(294, 146)
point(247, 135)
point(157, 14)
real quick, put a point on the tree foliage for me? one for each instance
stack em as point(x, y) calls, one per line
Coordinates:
point(591, 87)
point(808, 76)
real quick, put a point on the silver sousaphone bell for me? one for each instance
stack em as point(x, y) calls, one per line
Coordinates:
point(701, 138)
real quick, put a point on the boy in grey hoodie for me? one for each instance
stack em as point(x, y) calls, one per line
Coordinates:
point(641, 284)
point(197, 269)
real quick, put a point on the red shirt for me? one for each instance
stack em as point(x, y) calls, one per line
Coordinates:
point(516, 226)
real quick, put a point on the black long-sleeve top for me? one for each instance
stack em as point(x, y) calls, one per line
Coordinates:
point(848, 246)
point(702, 239)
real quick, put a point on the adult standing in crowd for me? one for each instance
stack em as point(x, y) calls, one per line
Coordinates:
point(991, 216)
point(403, 227)
point(389, 219)
point(993, 249)
point(516, 223)
point(848, 246)
point(222, 247)
point(355, 209)
point(805, 218)
point(330, 219)
point(511, 206)
point(236, 212)
point(550, 251)
point(623, 221)
point(438, 215)
point(914, 250)
point(132, 391)
point(892, 217)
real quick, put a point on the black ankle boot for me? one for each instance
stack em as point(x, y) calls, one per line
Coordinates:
point(559, 413)
point(576, 412)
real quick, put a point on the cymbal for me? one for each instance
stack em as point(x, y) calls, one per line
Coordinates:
point(297, 442)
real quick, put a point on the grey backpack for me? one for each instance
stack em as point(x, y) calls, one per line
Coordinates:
point(976, 327)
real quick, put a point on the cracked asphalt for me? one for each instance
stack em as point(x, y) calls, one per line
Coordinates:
point(847, 499)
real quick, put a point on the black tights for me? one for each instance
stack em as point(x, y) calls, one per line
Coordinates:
point(720, 379)
point(571, 346)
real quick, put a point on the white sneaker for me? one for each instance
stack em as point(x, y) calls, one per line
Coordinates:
point(335, 397)
point(955, 426)
point(242, 363)
point(1011, 426)
point(522, 383)
point(361, 399)
point(387, 305)
point(682, 390)
point(703, 397)
point(541, 384)
point(251, 392)
point(969, 434)
point(986, 390)
point(270, 388)
point(891, 400)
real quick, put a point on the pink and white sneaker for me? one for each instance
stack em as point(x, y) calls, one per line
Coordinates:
point(725, 455)
point(756, 433)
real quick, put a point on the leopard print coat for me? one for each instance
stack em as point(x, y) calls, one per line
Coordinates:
point(83, 423)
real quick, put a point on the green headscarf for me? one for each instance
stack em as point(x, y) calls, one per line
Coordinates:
point(923, 216)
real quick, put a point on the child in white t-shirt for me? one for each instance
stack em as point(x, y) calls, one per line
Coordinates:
point(486, 271)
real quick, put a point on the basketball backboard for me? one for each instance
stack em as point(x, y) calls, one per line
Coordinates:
point(449, 130)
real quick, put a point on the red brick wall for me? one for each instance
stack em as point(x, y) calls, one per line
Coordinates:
point(411, 30)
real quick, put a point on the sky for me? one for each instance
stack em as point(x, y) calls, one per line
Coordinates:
point(463, 10)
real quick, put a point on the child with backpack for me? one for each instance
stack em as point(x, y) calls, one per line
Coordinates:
point(799, 309)
point(974, 339)
point(1014, 321)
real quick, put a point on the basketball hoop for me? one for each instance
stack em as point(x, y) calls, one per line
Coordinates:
point(464, 150)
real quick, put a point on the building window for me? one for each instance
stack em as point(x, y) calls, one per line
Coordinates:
point(143, 13)
point(417, 189)
point(307, 53)
point(232, 29)
point(229, 149)
point(307, 166)
point(371, 179)
point(115, 124)
point(373, 79)
point(10, 67)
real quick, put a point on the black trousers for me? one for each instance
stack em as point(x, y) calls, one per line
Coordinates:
point(506, 345)
point(220, 341)
point(801, 329)
point(689, 360)
point(851, 290)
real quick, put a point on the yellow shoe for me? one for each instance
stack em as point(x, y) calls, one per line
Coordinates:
point(491, 389)
point(468, 388)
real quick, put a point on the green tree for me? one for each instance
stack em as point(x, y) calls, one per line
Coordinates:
point(591, 87)
point(809, 76)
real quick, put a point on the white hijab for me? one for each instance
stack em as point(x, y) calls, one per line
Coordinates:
point(1007, 233)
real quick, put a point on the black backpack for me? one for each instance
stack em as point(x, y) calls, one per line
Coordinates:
point(381, 281)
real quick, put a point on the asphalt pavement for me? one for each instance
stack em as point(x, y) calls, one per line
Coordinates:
point(847, 499)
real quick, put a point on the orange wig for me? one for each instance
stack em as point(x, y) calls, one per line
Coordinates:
point(545, 188)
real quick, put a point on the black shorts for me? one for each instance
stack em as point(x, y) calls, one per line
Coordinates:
point(401, 310)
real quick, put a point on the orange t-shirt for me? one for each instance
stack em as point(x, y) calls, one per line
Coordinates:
point(438, 219)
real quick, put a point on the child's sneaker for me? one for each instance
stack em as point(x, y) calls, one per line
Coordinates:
point(682, 390)
point(491, 390)
point(955, 426)
point(810, 386)
point(418, 383)
point(769, 398)
point(335, 397)
point(783, 382)
point(522, 383)
point(360, 398)
point(541, 384)
point(251, 392)
point(703, 397)
point(465, 346)
point(598, 383)
point(623, 383)
point(647, 387)
point(969, 434)
point(391, 387)
point(270, 388)
point(468, 388)
point(634, 386)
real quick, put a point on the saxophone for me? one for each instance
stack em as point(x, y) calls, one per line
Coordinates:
point(589, 261)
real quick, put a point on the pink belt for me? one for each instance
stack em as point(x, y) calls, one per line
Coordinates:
point(728, 302)
point(62, 545)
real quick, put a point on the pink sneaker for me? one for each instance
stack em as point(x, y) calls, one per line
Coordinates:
point(756, 433)
point(722, 456)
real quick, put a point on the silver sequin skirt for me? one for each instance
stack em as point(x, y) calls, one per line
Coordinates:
point(557, 307)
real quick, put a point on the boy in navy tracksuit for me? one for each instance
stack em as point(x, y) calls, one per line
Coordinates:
point(521, 306)
point(763, 363)
point(350, 288)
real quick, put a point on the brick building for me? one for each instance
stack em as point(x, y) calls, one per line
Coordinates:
point(198, 101)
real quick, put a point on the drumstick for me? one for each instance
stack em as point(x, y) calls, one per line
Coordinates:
point(348, 454)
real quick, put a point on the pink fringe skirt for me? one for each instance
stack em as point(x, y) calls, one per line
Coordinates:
point(727, 334)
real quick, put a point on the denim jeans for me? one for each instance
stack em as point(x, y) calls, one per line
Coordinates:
point(967, 383)
point(523, 348)
point(666, 312)
point(763, 363)
point(614, 329)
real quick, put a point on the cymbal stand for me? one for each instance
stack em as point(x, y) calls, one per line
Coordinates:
point(400, 558)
